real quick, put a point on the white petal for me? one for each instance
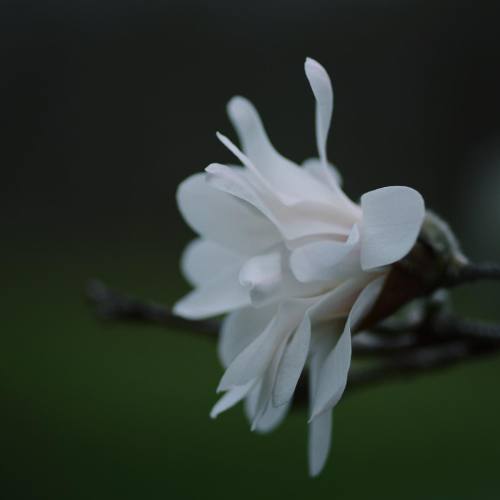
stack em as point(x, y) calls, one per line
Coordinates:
point(292, 364)
point(323, 260)
point(240, 328)
point(232, 397)
point(245, 160)
point(331, 305)
point(264, 402)
point(271, 418)
point(320, 429)
point(392, 218)
point(333, 377)
point(290, 182)
point(255, 358)
point(338, 302)
point(329, 175)
point(250, 403)
point(251, 132)
point(323, 92)
point(312, 211)
point(319, 442)
point(218, 296)
point(232, 180)
point(293, 221)
point(222, 218)
point(334, 374)
point(262, 276)
point(202, 259)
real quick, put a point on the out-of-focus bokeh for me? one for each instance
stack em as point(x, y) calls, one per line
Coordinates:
point(105, 107)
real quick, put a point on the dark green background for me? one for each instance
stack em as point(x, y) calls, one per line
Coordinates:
point(106, 106)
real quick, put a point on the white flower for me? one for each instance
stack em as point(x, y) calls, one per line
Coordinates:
point(294, 262)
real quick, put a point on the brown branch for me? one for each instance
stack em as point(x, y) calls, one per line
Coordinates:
point(111, 305)
point(471, 272)
point(435, 340)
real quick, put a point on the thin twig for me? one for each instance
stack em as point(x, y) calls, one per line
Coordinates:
point(111, 305)
point(472, 272)
point(434, 339)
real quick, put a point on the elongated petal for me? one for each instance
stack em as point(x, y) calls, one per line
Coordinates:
point(320, 429)
point(336, 303)
point(392, 218)
point(222, 218)
point(251, 132)
point(319, 442)
point(250, 403)
point(271, 418)
point(256, 357)
point(240, 328)
point(231, 398)
point(203, 259)
point(290, 182)
point(292, 363)
point(264, 401)
point(218, 296)
point(323, 92)
point(295, 221)
point(333, 377)
point(233, 181)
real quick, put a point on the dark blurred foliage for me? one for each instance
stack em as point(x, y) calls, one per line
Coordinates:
point(108, 105)
point(105, 107)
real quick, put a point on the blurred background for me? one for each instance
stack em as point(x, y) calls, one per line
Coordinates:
point(105, 107)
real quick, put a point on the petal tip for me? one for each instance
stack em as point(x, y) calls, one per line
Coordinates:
point(314, 69)
point(179, 309)
point(238, 106)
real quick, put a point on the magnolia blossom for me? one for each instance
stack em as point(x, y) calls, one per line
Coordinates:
point(293, 262)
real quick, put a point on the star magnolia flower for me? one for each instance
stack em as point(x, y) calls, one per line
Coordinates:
point(294, 262)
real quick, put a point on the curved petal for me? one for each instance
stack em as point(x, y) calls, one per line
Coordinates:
point(392, 218)
point(291, 364)
point(337, 303)
point(255, 358)
point(250, 403)
point(320, 429)
point(271, 418)
point(264, 400)
point(218, 296)
point(294, 221)
point(222, 218)
point(325, 260)
point(323, 92)
point(240, 328)
point(202, 259)
point(290, 182)
point(333, 376)
point(329, 306)
point(251, 133)
point(319, 442)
